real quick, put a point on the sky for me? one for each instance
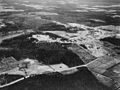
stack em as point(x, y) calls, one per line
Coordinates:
point(71, 1)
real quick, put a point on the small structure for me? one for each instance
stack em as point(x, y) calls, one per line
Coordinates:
point(26, 63)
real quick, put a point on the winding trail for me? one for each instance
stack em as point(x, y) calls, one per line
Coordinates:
point(64, 72)
point(13, 82)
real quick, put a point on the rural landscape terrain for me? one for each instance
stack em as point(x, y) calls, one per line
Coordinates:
point(59, 45)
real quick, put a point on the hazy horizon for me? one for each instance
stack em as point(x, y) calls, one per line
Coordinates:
point(71, 1)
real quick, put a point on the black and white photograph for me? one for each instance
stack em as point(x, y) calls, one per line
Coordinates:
point(59, 44)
